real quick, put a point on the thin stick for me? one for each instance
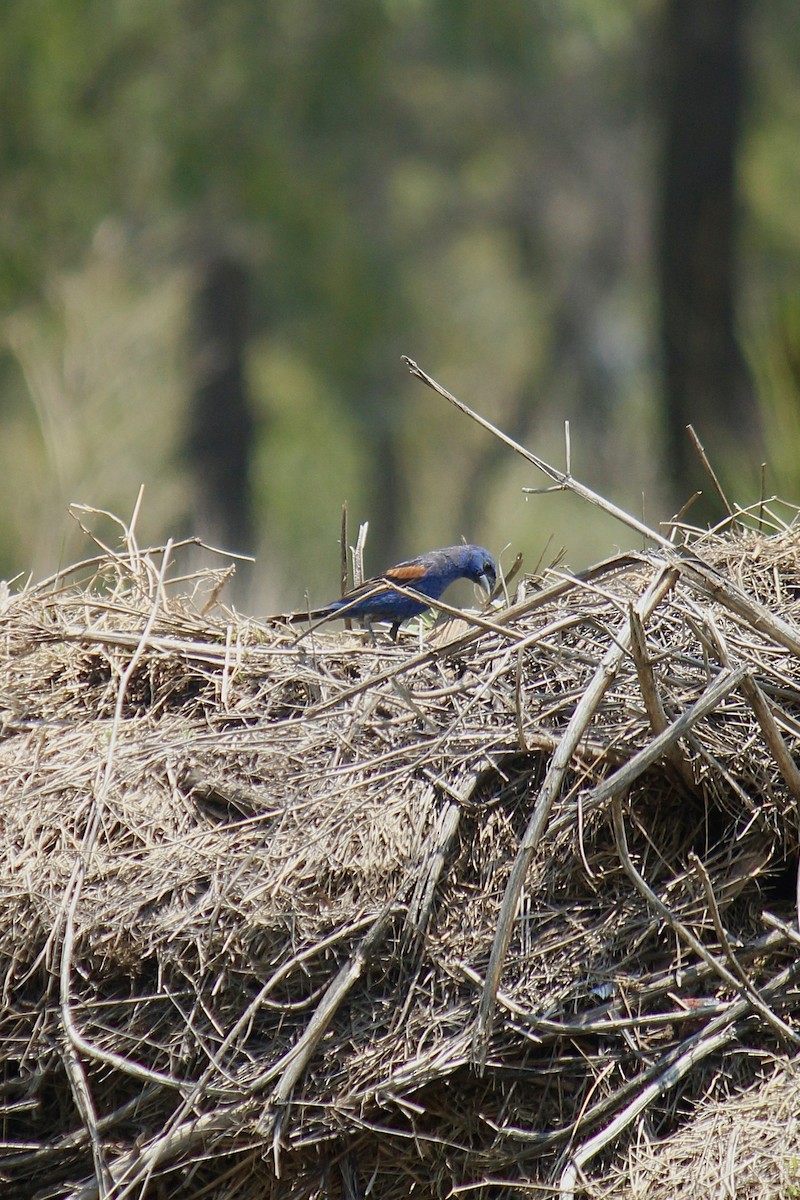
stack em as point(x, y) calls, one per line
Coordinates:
point(343, 542)
point(772, 734)
point(519, 701)
point(653, 704)
point(343, 571)
point(701, 454)
point(674, 524)
point(78, 1083)
point(762, 497)
point(698, 866)
point(560, 477)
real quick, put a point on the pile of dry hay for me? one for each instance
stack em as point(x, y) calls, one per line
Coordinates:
point(253, 932)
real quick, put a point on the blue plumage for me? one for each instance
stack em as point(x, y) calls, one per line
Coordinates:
point(428, 574)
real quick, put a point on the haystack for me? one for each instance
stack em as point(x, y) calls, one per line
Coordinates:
point(502, 909)
point(253, 885)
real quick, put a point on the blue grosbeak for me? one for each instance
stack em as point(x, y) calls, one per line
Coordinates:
point(429, 574)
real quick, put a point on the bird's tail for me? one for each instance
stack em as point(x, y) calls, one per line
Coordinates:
point(309, 614)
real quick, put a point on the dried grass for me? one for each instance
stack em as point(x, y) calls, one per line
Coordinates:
point(252, 886)
point(742, 1145)
point(508, 911)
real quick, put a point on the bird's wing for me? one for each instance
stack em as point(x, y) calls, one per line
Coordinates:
point(406, 573)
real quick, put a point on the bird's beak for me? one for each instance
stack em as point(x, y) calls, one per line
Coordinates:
point(486, 584)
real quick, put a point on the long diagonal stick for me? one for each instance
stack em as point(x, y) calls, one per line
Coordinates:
point(701, 575)
point(562, 478)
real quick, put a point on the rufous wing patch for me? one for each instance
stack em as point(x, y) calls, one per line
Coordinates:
point(408, 574)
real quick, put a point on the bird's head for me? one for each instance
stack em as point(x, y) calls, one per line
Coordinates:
point(480, 567)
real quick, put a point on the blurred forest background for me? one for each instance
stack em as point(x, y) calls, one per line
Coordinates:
point(222, 224)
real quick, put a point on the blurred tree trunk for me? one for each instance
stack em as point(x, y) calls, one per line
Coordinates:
point(706, 379)
point(389, 499)
point(220, 421)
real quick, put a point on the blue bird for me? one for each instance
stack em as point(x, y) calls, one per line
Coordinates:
point(428, 574)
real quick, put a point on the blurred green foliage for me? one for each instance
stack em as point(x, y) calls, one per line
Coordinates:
point(470, 184)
